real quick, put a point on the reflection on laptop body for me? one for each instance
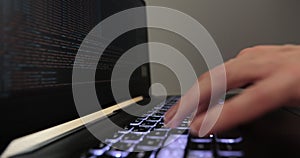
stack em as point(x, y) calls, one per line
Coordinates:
point(39, 43)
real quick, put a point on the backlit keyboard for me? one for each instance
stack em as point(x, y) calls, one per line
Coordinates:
point(146, 137)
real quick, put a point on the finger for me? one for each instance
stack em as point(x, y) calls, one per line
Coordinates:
point(187, 104)
point(253, 102)
point(171, 112)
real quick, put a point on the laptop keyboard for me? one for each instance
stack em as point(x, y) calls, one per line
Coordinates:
point(147, 137)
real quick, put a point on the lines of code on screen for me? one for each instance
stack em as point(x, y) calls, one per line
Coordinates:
point(39, 41)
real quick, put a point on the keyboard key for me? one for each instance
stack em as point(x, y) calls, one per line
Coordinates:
point(129, 127)
point(146, 115)
point(157, 108)
point(230, 154)
point(200, 146)
point(146, 148)
point(142, 154)
point(183, 125)
point(176, 141)
point(124, 131)
point(165, 108)
point(132, 137)
point(169, 152)
point(232, 136)
point(162, 110)
point(159, 125)
point(158, 114)
point(98, 150)
point(197, 139)
point(229, 150)
point(179, 131)
point(114, 138)
point(174, 146)
point(157, 134)
point(117, 153)
point(148, 123)
point(137, 121)
point(150, 142)
point(229, 147)
point(101, 146)
point(200, 154)
point(141, 129)
point(122, 146)
point(186, 121)
point(153, 118)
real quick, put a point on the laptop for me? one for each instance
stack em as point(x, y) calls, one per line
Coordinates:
point(39, 42)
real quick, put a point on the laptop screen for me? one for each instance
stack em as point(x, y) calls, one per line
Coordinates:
point(39, 41)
